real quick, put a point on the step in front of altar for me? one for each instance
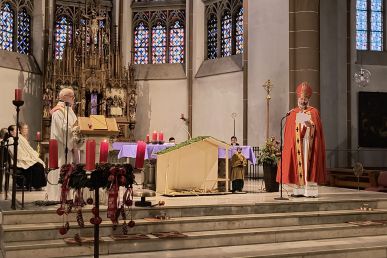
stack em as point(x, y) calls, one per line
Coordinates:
point(369, 246)
point(28, 232)
point(49, 231)
point(198, 239)
point(302, 205)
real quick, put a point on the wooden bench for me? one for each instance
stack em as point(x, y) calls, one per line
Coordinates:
point(345, 177)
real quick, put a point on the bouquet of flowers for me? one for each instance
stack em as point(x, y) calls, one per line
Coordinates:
point(270, 153)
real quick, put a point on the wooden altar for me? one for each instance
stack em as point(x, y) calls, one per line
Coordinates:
point(86, 56)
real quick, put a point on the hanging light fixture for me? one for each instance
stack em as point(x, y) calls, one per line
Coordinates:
point(363, 76)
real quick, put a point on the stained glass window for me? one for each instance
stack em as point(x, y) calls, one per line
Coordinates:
point(141, 43)
point(212, 35)
point(94, 104)
point(6, 27)
point(376, 25)
point(176, 43)
point(369, 25)
point(23, 32)
point(63, 35)
point(226, 35)
point(159, 37)
point(159, 43)
point(239, 32)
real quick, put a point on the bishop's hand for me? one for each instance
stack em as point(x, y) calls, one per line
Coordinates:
point(308, 123)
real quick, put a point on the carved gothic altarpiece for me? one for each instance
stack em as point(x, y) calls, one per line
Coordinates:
point(86, 56)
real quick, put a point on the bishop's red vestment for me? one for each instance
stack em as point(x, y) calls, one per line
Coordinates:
point(293, 160)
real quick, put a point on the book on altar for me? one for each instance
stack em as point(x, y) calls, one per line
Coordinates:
point(98, 122)
point(301, 118)
point(98, 125)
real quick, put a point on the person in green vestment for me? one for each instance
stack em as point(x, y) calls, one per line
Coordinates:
point(238, 163)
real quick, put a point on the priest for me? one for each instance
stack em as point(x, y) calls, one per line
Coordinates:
point(303, 154)
point(59, 128)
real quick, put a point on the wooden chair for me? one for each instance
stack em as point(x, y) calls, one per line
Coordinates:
point(8, 172)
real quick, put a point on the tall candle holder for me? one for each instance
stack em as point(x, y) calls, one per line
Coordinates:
point(17, 104)
point(234, 115)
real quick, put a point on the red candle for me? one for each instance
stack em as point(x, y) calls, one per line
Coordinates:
point(140, 154)
point(53, 154)
point(18, 94)
point(147, 138)
point(154, 136)
point(90, 155)
point(38, 136)
point(161, 136)
point(103, 151)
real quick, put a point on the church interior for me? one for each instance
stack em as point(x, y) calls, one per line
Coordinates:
point(188, 128)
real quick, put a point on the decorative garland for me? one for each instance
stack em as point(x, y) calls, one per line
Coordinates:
point(106, 176)
point(99, 178)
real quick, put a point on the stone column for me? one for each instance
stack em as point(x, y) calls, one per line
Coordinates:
point(189, 62)
point(245, 61)
point(304, 48)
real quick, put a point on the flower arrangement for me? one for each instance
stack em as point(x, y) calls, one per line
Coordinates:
point(270, 153)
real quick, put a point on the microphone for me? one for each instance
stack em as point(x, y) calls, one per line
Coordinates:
point(287, 114)
point(75, 104)
point(99, 104)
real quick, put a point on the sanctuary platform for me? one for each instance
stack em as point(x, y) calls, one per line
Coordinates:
point(339, 223)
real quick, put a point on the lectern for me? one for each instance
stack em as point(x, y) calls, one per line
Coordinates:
point(96, 127)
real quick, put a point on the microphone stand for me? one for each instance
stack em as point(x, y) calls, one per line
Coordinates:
point(67, 131)
point(281, 197)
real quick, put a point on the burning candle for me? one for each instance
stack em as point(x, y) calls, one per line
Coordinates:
point(161, 136)
point(53, 154)
point(140, 154)
point(154, 136)
point(18, 94)
point(90, 155)
point(103, 151)
point(147, 138)
point(38, 136)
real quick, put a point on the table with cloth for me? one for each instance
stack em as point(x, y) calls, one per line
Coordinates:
point(129, 150)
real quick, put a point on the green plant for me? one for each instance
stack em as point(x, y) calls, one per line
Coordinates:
point(270, 153)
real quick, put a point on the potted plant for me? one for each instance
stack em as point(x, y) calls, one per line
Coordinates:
point(268, 157)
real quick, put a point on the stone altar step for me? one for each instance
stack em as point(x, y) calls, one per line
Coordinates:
point(49, 231)
point(296, 205)
point(370, 246)
point(198, 239)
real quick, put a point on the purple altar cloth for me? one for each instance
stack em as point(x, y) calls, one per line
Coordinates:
point(118, 145)
point(247, 151)
point(128, 150)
